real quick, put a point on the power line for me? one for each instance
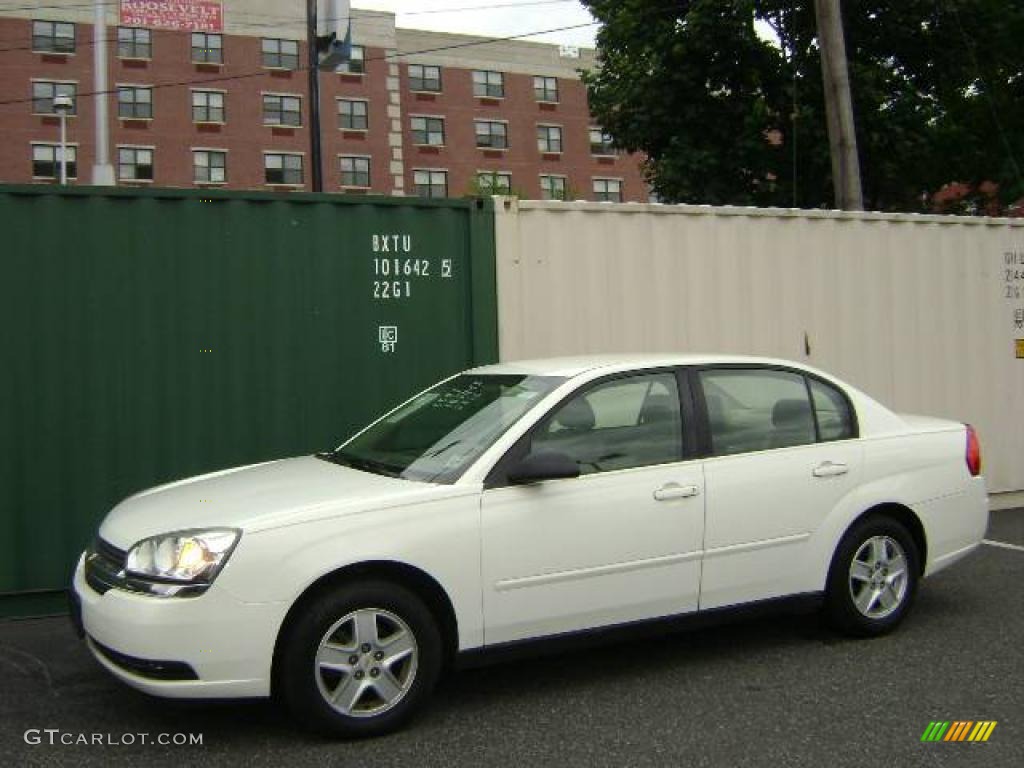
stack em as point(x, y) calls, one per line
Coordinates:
point(386, 57)
point(372, 18)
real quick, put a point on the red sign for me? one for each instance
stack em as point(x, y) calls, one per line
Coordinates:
point(185, 15)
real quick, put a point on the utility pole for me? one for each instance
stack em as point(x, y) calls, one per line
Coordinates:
point(842, 135)
point(314, 97)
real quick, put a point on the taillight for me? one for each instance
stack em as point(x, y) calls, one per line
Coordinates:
point(973, 454)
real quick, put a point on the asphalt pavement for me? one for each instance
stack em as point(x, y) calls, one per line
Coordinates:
point(773, 692)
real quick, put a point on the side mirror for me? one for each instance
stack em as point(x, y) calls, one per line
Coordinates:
point(543, 466)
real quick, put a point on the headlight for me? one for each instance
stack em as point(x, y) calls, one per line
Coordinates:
point(186, 557)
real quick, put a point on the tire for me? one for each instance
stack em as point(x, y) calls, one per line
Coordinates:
point(873, 577)
point(359, 661)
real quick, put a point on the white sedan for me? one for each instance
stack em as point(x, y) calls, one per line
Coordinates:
point(523, 502)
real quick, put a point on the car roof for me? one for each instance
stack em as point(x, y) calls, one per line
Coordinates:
point(569, 367)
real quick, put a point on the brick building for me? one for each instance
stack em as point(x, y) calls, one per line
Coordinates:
point(415, 113)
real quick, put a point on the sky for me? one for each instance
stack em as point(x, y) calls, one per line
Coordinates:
point(483, 18)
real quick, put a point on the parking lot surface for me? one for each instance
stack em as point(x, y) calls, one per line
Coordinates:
point(775, 692)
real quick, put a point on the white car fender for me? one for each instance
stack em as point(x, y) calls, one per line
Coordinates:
point(446, 548)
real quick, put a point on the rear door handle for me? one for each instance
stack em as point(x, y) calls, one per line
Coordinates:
point(675, 491)
point(829, 469)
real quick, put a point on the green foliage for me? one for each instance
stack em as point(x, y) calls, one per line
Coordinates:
point(725, 116)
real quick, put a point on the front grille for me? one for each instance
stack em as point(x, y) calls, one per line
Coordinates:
point(154, 670)
point(104, 566)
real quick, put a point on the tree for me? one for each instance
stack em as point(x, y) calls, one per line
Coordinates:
point(725, 116)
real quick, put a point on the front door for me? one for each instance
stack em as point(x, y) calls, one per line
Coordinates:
point(620, 543)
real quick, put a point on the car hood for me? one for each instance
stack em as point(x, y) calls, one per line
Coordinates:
point(257, 497)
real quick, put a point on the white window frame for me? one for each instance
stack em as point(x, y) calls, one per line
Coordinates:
point(440, 79)
point(209, 183)
point(561, 139)
point(369, 170)
point(224, 108)
point(280, 67)
point(55, 145)
point(545, 78)
point(447, 185)
point(136, 86)
point(366, 102)
point(134, 44)
point(444, 130)
point(565, 185)
point(276, 95)
point(56, 24)
point(150, 148)
point(487, 84)
point(291, 185)
point(489, 121)
point(606, 179)
point(492, 173)
point(207, 35)
point(49, 81)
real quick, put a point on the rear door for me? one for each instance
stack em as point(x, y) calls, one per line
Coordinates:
point(781, 454)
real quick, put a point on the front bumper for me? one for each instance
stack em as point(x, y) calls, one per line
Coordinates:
point(228, 644)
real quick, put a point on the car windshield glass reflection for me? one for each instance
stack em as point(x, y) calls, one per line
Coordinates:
point(438, 434)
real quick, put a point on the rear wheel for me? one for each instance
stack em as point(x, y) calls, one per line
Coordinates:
point(359, 661)
point(873, 578)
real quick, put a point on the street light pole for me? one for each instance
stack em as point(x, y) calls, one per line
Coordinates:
point(62, 105)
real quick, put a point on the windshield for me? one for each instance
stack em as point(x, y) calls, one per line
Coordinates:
point(439, 433)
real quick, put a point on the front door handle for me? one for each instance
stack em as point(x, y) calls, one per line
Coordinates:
point(675, 491)
point(829, 469)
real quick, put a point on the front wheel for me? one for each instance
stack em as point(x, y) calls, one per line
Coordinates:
point(873, 578)
point(359, 661)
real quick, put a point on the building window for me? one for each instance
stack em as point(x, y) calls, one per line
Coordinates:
point(549, 138)
point(134, 43)
point(608, 190)
point(491, 134)
point(280, 54)
point(428, 130)
point(282, 110)
point(545, 88)
point(208, 107)
point(134, 102)
point(423, 77)
point(489, 85)
point(207, 48)
point(44, 92)
point(209, 166)
point(552, 188)
point(431, 183)
point(601, 143)
point(46, 161)
point(53, 37)
point(355, 171)
point(135, 163)
point(494, 183)
point(356, 65)
point(282, 168)
point(353, 114)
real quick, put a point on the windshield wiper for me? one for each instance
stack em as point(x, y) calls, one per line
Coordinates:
point(365, 465)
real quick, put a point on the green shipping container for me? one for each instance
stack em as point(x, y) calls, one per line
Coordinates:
point(150, 335)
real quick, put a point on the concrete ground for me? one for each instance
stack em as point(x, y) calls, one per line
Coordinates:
point(775, 692)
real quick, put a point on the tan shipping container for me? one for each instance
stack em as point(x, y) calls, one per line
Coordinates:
point(925, 313)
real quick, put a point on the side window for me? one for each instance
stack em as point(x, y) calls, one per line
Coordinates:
point(756, 409)
point(835, 422)
point(628, 422)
